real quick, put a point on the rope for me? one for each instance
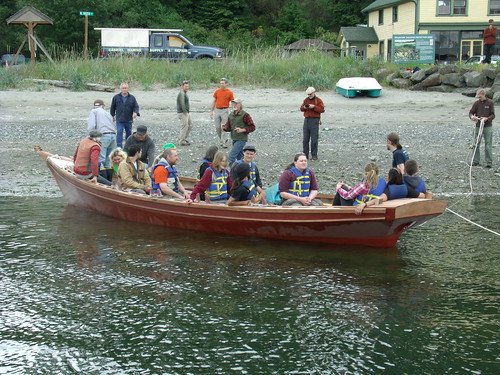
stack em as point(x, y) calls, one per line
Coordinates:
point(476, 145)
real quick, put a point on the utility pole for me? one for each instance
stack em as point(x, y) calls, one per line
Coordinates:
point(86, 42)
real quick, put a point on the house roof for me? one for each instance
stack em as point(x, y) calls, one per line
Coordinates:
point(359, 34)
point(381, 4)
point(29, 14)
point(311, 43)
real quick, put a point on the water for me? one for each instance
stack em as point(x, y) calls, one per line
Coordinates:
point(84, 293)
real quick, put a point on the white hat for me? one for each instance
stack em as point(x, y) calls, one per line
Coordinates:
point(236, 100)
point(310, 90)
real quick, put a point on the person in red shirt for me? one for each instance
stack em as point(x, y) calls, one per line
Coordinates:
point(86, 158)
point(220, 109)
point(312, 107)
point(490, 38)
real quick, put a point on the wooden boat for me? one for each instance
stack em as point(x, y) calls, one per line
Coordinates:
point(350, 87)
point(378, 226)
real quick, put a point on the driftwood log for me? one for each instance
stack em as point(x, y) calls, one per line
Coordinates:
point(67, 84)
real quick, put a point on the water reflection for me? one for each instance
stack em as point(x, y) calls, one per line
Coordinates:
point(83, 292)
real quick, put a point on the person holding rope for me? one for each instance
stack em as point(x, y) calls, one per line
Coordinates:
point(483, 113)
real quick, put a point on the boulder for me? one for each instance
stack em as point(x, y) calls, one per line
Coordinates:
point(490, 73)
point(391, 77)
point(433, 80)
point(441, 88)
point(470, 92)
point(417, 87)
point(406, 73)
point(382, 74)
point(447, 69)
point(474, 79)
point(418, 76)
point(496, 97)
point(400, 83)
point(454, 79)
point(433, 69)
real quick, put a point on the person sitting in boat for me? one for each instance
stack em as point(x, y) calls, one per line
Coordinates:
point(86, 158)
point(244, 191)
point(370, 187)
point(116, 157)
point(216, 181)
point(132, 173)
point(412, 179)
point(298, 185)
point(248, 156)
point(165, 178)
point(160, 155)
point(395, 189)
point(141, 137)
point(207, 159)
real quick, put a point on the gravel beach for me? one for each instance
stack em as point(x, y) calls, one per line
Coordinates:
point(434, 129)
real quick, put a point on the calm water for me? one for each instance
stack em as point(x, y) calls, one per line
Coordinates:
point(83, 293)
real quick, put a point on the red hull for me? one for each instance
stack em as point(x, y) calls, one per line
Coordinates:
point(379, 226)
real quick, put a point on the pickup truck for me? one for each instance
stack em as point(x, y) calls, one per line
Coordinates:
point(153, 43)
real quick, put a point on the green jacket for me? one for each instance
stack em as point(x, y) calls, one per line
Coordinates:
point(236, 121)
point(182, 102)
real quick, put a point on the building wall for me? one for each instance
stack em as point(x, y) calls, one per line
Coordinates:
point(477, 12)
point(404, 25)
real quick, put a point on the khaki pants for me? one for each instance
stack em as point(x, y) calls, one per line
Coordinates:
point(220, 118)
point(186, 126)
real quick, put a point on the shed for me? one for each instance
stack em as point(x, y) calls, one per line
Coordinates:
point(358, 41)
point(305, 44)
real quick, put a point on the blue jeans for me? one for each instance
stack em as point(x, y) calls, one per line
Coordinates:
point(108, 144)
point(236, 152)
point(128, 131)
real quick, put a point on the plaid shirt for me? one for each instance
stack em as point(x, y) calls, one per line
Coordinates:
point(359, 189)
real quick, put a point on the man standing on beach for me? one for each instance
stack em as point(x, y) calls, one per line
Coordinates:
point(220, 108)
point(399, 155)
point(240, 124)
point(183, 113)
point(489, 36)
point(483, 110)
point(312, 107)
point(101, 120)
point(124, 109)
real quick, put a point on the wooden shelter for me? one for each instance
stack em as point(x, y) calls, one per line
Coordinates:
point(31, 18)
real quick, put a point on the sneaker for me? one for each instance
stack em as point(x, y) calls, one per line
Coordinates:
point(488, 166)
point(185, 143)
point(314, 158)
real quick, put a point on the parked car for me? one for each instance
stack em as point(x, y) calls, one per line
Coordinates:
point(8, 57)
point(476, 59)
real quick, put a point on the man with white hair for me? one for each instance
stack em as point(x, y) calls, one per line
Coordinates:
point(313, 107)
point(483, 111)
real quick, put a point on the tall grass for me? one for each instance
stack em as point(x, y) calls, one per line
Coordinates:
point(264, 67)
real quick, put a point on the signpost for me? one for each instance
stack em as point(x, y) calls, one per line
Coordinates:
point(416, 48)
point(85, 46)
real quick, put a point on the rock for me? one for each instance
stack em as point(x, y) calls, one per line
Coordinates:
point(417, 87)
point(433, 80)
point(474, 79)
point(454, 79)
point(406, 73)
point(469, 92)
point(382, 74)
point(391, 77)
point(490, 73)
point(447, 69)
point(496, 97)
point(418, 76)
point(400, 83)
point(433, 69)
point(441, 88)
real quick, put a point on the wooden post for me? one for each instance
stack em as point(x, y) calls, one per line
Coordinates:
point(31, 31)
point(86, 37)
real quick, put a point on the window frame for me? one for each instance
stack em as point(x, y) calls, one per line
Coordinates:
point(453, 8)
point(395, 14)
point(490, 13)
point(381, 17)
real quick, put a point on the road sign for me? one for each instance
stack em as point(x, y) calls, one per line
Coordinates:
point(86, 13)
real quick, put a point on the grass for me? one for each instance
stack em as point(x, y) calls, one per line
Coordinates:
point(266, 67)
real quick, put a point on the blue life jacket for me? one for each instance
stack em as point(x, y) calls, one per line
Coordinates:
point(302, 184)
point(250, 186)
point(253, 171)
point(218, 187)
point(421, 186)
point(397, 191)
point(375, 192)
point(172, 179)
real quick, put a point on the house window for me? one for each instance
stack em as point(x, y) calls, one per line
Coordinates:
point(452, 7)
point(381, 17)
point(394, 14)
point(381, 49)
point(494, 7)
point(389, 49)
